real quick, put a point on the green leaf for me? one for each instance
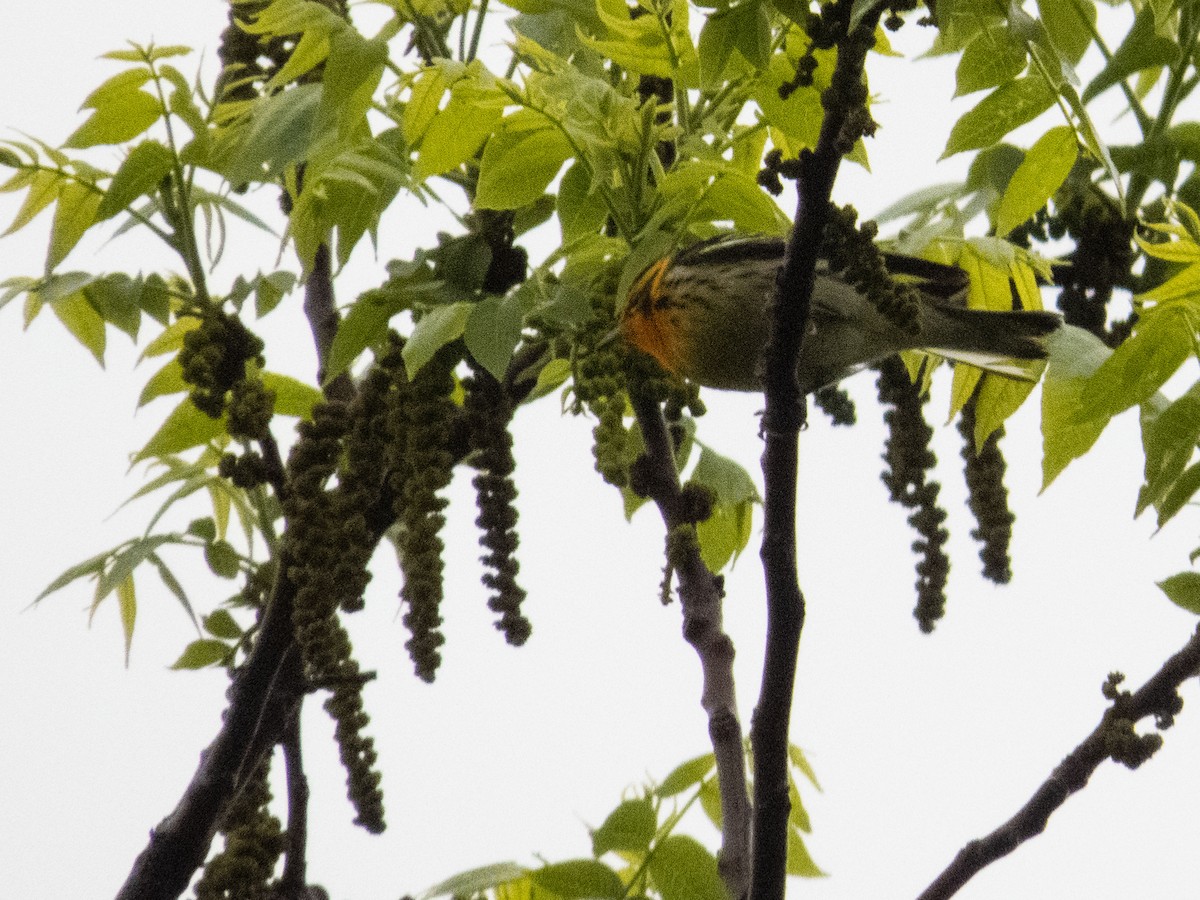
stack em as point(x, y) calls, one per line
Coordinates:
point(799, 860)
point(999, 398)
point(1168, 439)
point(269, 290)
point(799, 761)
point(278, 131)
point(166, 381)
point(1075, 355)
point(476, 881)
point(687, 774)
point(579, 878)
point(221, 624)
point(638, 45)
point(117, 299)
point(1140, 366)
point(147, 54)
point(222, 559)
point(143, 169)
point(684, 870)
point(345, 193)
point(1066, 26)
point(520, 160)
point(751, 25)
point(581, 210)
point(1009, 106)
point(75, 214)
point(127, 603)
point(726, 478)
point(351, 74)
point(82, 320)
point(202, 653)
point(629, 828)
point(88, 568)
point(124, 562)
point(172, 584)
point(716, 45)
point(436, 329)
point(1143, 48)
point(453, 135)
point(292, 397)
point(1183, 590)
point(994, 57)
point(204, 528)
point(798, 118)
point(120, 113)
point(1042, 172)
point(492, 332)
point(185, 427)
point(44, 188)
point(364, 324)
point(1180, 494)
point(724, 534)
point(1183, 286)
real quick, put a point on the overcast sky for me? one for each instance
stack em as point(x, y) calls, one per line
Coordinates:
point(921, 742)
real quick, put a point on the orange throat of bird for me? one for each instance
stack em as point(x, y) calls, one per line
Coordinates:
point(646, 321)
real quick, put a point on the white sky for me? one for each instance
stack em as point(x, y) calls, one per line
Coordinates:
point(921, 742)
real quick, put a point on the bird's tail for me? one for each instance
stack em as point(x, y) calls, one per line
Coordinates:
point(1006, 343)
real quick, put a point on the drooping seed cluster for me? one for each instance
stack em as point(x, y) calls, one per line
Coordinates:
point(987, 496)
point(254, 841)
point(909, 461)
point(489, 415)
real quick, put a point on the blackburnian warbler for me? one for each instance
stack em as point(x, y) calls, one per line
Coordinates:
point(701, 313)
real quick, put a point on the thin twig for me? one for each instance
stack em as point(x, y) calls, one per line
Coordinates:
point(700, 594)
point(294, 880)
point(1157, 697)
point(321, 311)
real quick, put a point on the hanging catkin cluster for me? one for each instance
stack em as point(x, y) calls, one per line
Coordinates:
point(221, 359)
point(600, 386)
point(489, 414)
point(254, 842)
point(420, 465)
point(987, 496)
point(909, 460)
point(326, 553)
point(853, 255)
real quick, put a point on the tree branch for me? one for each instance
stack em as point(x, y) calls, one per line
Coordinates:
point(180, 843)
point(294, 881)
point(782, 420)
point(700, 594)
point(1113, 738)
point(321, 311)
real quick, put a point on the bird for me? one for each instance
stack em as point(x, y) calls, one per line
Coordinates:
point(701, 312)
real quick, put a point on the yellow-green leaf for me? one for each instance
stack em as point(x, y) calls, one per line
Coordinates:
point(185, 427)
point(1010, 105)
point(138, 175)
point(117, 117)
point(683, 869)
point(520, 160)
point(437, 328)
point(292, 397)
point(75, 214)
point(166, 381)
point(201, 653)
point(1183, 590)
point(1042, 172)
point(127, 603)
point(83, 322)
